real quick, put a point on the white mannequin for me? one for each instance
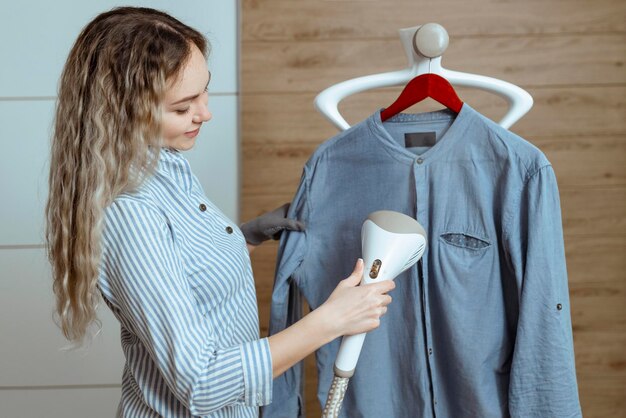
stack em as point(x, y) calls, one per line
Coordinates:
point(423, 46)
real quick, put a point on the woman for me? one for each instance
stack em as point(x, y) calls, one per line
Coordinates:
point(128, 222)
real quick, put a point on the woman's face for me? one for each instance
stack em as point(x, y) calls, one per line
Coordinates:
point(185, 106)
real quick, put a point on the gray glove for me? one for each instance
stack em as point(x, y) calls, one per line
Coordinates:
point(270, 225)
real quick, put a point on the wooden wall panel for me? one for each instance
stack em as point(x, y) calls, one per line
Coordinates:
point(276, 20)
point(600, 353)
point(524, 60)
point(569, 54)
point(602, 396)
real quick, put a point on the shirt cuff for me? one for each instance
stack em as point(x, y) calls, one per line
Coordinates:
point(256, 359)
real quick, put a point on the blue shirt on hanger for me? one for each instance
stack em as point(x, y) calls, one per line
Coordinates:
point(481, 326)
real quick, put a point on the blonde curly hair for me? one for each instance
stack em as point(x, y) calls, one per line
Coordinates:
point(106, 141)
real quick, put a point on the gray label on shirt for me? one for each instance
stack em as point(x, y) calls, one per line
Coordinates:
point(420, 139)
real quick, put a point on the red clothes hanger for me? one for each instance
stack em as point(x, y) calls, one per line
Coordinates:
point(425, 85)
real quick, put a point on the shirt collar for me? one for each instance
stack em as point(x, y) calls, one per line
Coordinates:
point(175, 166)
point(454, 134)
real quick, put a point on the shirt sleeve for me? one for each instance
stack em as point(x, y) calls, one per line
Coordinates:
point(543, 375)
point(157, 305)
point(286, 309)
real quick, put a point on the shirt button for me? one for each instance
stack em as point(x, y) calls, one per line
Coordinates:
point(229, 229)
point(430, 351)
point(419, 160)
point(202, 207)
point(559, 306)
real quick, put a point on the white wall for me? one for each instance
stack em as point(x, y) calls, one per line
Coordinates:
point(37, 378)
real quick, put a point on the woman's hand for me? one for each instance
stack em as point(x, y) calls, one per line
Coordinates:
point(350, 309)
point(353, 309)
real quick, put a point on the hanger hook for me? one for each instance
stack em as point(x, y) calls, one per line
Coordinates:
point(431, 40)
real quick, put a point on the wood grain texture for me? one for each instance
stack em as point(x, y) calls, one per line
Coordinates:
point(600, 353)
point(292, 66)
point(594, 211)
point(602, 396)
point(569, 54)
point(280, 20)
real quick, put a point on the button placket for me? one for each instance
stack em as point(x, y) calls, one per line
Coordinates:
point(421, 205)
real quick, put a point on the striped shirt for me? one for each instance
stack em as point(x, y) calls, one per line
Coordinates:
point(176, 273)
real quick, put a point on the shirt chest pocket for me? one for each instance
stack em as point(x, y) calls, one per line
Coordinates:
point(464, 251)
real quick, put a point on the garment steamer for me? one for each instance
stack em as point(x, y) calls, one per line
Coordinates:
point(391, 242)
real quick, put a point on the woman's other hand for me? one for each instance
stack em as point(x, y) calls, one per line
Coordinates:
point(270, 225)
